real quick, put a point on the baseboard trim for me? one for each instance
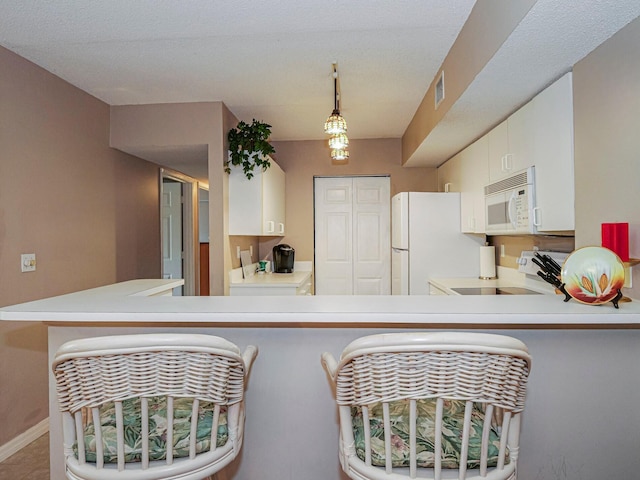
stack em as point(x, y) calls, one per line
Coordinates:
point(24, 439)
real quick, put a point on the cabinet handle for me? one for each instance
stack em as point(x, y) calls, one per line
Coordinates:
point(508, 162)
point(281, 226)
point(271, 227)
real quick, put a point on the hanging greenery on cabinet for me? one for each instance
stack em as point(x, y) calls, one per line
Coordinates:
point(249, 147)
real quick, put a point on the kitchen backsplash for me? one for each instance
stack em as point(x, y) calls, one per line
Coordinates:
point(514, 245)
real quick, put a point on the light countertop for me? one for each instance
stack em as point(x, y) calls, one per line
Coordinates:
point(278, 279)
point(124, 303)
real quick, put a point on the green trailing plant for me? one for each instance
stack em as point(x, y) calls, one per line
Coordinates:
point(249, 147)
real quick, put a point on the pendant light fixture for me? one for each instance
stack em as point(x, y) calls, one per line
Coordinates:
point(336, 125)
point(338, 141)
point(340, 155)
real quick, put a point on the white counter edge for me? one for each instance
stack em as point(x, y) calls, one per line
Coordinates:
point(125, 303)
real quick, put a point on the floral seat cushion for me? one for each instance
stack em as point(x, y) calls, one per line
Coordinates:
point(453, 420)
point(157, 429)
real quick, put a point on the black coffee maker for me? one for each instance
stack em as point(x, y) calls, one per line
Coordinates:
point(283, 256)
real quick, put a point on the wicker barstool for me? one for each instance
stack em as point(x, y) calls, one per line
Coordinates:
point(151, 406)
point(435, 405)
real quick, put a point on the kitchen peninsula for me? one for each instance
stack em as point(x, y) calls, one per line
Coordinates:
point(583, 357)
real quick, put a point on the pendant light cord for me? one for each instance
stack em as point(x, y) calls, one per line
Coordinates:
point(336, 104)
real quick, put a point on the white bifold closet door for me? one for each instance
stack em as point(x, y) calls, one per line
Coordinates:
point(352, 235)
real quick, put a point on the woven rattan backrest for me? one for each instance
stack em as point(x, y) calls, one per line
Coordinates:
point(388, 376)
point(106, 372)
point(464, 369)
point(484, 372)
point(92, 380)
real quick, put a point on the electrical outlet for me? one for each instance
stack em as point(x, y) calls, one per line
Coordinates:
point(28, 262)
point(238, 251)
point(502, 254)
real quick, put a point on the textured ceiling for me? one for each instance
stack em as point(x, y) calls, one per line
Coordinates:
point(272, 59)
point(267, 59)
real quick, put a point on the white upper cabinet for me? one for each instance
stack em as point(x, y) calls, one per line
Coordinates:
point(468, 173)
point(474, 176)
point(553, 153)
point(257, 206)
point(539, 134)
point(511, 144)
point(449, 175)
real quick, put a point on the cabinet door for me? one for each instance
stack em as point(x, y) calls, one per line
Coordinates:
point(498, 144)
point(520, 130)
point(449, 175)
point(257, 206)
point(474, 177)
point(273, 201)
point(553, 133)
point(511, 144)
point(245, 203)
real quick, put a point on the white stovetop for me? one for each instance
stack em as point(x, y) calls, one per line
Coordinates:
point(507, 277)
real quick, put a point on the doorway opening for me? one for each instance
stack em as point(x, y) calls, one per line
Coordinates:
point(179, 230)
point(203, 239)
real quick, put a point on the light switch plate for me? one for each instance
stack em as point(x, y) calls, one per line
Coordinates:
point(28, 262)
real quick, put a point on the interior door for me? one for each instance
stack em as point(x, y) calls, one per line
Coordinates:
point(172, 231)
point(352, 236)
point(333, 236)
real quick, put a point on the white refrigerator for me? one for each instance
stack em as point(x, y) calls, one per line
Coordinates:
point(426, 242)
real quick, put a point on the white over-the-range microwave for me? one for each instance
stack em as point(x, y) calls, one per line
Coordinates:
point(510, 206)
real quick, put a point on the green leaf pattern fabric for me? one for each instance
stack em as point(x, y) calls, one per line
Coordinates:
point(157, 429)
point(453, 421)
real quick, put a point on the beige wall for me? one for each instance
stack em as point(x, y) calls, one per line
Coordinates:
point(606, 95)
point(220, 216)
point(486, 29)
point(88, 212)
point(148, 129)
point(302, 160)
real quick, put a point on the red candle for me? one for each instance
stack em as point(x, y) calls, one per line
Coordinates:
point(615, 236)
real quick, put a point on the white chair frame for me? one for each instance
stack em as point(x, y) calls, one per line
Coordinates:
point(93, 371)
point(473, 367)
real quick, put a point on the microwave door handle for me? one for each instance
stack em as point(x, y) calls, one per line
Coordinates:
point(511, 211)
point(536, 216)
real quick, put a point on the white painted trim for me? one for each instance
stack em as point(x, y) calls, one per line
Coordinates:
point(24, 439)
